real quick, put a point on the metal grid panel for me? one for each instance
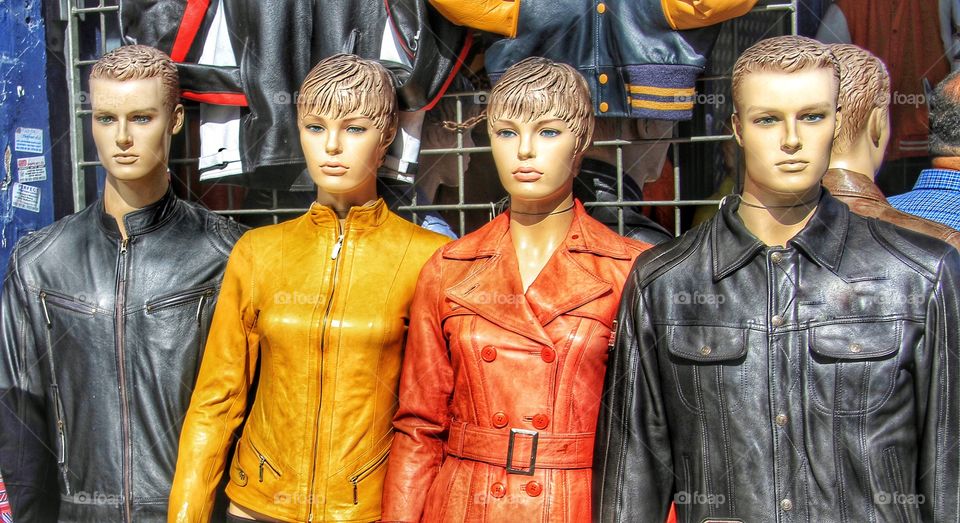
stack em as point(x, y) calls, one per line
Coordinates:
point(700, 137)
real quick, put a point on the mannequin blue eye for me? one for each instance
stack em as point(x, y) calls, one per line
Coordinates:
point(105, 119)
point(314, 128)
point(356, 129)
point(815, 117)
point(549, 133)
point(765, 120)
point(141, 119)
point(506, 133)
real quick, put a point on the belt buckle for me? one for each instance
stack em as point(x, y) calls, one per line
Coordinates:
point(533, 452)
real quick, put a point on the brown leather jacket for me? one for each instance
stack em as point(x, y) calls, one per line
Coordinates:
point(864, 198)
point(488, 366)
point(326, 318)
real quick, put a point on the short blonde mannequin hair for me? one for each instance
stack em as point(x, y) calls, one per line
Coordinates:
point(864, 86)
point(138, 62)
point(784, 54)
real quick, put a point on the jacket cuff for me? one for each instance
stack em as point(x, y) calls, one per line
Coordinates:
point(661, 91)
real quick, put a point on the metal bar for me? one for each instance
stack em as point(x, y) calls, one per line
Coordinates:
point(603, 143)
point(676, 190)
point(461, 198)
point(77, 11)
point(76, 132)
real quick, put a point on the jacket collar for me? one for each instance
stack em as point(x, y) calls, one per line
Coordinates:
point(143, 220)
point(358, 217)
point(822, 239)
point(851, 184)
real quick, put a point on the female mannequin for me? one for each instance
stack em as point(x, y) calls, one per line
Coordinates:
point(510, 327)
point(322, 302)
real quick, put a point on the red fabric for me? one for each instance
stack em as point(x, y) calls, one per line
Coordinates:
point(906, 35)
point(5, 515)
point(189, 26)
point(238, 99)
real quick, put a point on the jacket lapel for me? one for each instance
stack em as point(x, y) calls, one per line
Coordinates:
point(563, 286)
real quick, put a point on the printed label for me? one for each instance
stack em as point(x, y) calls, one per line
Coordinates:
point(26, 197)
point(28, 140)
point(32, 169)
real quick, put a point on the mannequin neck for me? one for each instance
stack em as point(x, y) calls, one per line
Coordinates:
point(776, 225)
point(122, 197)
point(947, 162)
point(860, 157)
point(537, 235)
point(342, 202)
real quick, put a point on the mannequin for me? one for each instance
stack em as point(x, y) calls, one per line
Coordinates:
point(769, 362)
point(104, 316)
point(864, 133)
point(321, 303)
point(510, 327)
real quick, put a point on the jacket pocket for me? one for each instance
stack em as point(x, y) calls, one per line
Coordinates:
point(852, 367)
point(247, 459)
point(62, 301)
point(179, 298)
point(366, 470)
point(708, 366)
point(61, 439)
point(896, 493)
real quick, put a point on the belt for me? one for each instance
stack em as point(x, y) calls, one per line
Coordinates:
point(502, 448)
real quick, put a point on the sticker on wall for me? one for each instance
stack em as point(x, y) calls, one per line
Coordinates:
point(26, 197)
point(32, 169)
point(28, 140)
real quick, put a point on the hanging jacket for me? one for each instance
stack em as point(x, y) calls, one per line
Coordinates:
point(101, 342)
point(501, 388)
point(323, 311)
point(636, 63)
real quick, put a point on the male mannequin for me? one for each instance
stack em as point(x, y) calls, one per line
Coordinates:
point(510, 327)
point(104, 315)
point(864, 133)
point(787, 360)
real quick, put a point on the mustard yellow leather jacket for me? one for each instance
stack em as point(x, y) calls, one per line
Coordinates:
point(324, 309)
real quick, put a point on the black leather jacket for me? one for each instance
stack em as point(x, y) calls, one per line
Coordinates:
point(100, 345)
point(812, 382)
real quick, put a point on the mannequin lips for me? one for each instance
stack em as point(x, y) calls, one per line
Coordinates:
point(527, 174)
point(125, 159)
point(333, 168)
point(792, 165)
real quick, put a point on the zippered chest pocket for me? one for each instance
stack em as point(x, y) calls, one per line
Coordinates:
point(194, 297)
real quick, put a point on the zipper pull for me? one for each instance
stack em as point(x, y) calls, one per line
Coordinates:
point(336, 248)
point(200, 308)
point(43, 303)
point(355, 500)
point(123, 245)
point(262, 461)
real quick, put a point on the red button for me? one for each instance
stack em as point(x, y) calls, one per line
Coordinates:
point(534, 489)
point(488, 353)
point(500, 420)
point(497, 490)
point(540, 421)
point(548, 354)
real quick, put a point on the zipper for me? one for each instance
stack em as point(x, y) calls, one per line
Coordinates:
point(64, 302)
point(263, 461)
point(119, 306)
point(165, 302)
point(368, 469)
point(58, 406)
point(335, 256)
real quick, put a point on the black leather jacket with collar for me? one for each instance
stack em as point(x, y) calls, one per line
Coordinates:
point(100, 343)
point(812, 382)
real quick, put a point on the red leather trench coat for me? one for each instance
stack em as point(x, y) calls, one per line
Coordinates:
point(487, 365)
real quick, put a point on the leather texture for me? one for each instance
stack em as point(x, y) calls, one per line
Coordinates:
point(101, 342)
point(811, 382)
point(325, 325)
point(495, 16)
point(485, 358)
point(864, 198)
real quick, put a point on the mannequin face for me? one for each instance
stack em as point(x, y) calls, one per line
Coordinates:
point(132, 128)
point(342, 154)
point(786, 124)
point(535, 159)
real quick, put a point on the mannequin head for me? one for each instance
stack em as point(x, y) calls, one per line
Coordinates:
point(540, 122)
point(347, 115)
point(134, 95)
point(786, 117)
point(864, 99)
point(945, 121)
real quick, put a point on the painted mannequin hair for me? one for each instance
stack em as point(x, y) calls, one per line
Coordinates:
point(864, 86)
point(137, 62)
point(783, 54)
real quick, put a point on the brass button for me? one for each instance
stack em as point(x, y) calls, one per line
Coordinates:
point(786, 505)
point(548, 355)
point(540, 421)
point(533, 489)
point(500, 420)
point(497, 490)
point(776, 257)
point(241, 474)
point(603, 79)
point(777, 320)
point(488, 353)
point(856, 348)
point(705, 350)
point(781, 419)
point(604, 107)
point(601, 8)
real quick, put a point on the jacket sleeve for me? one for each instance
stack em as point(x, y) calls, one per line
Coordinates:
point(694, 14)
point(940, 444)
point(423, 418)
point(26, 457)
point(219, 399)
point(632, 461)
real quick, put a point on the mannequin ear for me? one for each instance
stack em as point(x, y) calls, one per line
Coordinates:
point(176, 123)
point(735, 123)
point(877, 125)
point(838, 124)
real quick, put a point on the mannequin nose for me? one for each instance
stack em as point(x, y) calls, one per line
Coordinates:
point(124, 140)
point(332, 144)
point(791, 139)
point(526, 150)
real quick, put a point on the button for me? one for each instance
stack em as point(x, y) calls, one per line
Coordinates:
point(575, 236)
point(548, 355)
point(500, 420)
point(603, 79)
point(776, 257)
point(604, 107)
point(705, 350)
point(540, 421)
point(781, 419)
point(786, 505)
point(856, 348)
point(497, 490)
point(488, 353)
point(533, 489)
point(777, 320)
point(601, 8)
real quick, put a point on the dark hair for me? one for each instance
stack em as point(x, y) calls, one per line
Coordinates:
point(945, 117)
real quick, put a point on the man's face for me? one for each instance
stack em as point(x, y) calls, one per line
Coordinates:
point(342, 154)
point(534, 158)
point(132, 127)
point(786, 124)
